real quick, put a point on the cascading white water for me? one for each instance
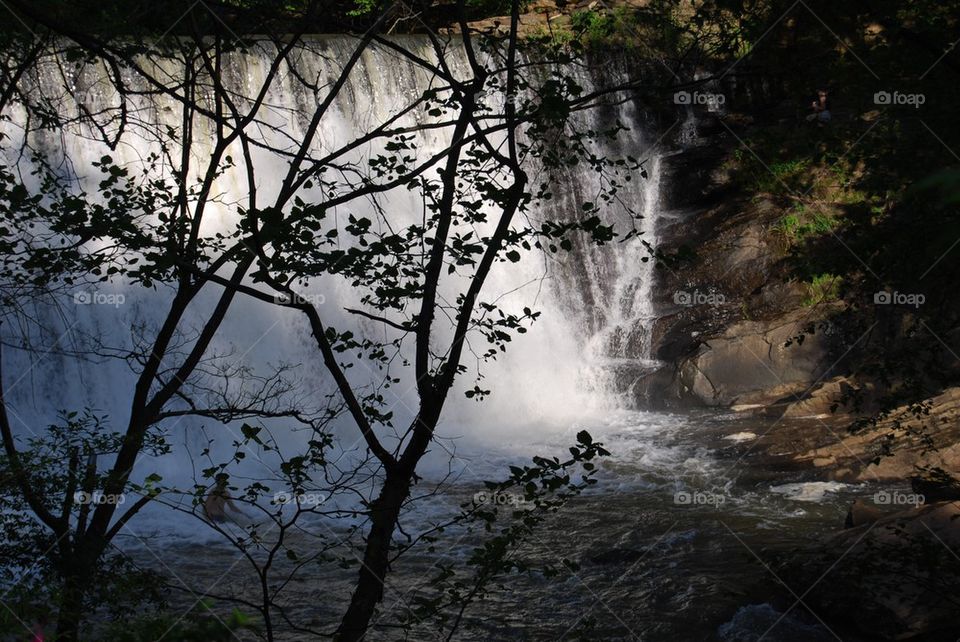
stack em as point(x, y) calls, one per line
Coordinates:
point(581, 358)
point(608, 290)
point(619, 354)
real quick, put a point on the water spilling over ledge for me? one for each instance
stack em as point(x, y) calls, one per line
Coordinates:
point(596, 301)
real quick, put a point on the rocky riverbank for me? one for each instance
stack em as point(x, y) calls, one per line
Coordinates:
point(740, 330)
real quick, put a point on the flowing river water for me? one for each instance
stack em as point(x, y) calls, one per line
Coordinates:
point(679, 540)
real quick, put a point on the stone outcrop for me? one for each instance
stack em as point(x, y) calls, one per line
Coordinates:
point(908, 438)
point(892, 577)
point(730, 315)
point(829, 397)
point(755, 362)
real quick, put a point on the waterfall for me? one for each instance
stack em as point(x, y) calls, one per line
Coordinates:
point(583, 357)
point(619, 354)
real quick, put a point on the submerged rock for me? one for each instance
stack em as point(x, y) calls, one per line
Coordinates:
point(756, 621)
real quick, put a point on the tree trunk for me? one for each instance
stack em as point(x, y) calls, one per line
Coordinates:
point(384, 513)
point(78, 572)
point(70, 612)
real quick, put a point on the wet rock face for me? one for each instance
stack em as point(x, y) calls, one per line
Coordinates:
point(730, 328)
point(727, 306)
point(694, 180)
point(720, 360)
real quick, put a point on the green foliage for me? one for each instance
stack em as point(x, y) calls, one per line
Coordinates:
point(62, 467)
point(822, 288)
point(803, 223)
point(363, 7)
point(592, 29)
point(781, 177)
point(605, 28)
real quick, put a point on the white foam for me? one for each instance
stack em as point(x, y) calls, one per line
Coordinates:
point(808, 491)
point(741, 436)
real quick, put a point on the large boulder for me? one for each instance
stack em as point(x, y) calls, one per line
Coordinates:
point(757, 362)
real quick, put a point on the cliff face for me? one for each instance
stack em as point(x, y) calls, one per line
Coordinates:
point(744, 326)
point(735, 325)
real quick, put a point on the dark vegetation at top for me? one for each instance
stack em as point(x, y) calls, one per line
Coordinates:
point(225, 17)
